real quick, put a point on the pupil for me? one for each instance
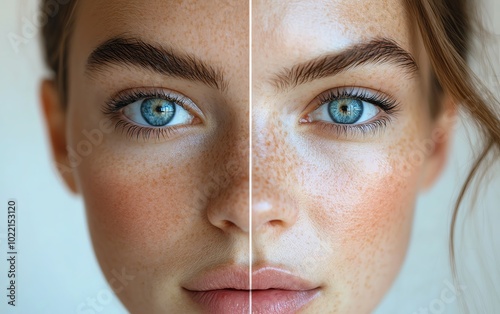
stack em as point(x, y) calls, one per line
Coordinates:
point(160, 109)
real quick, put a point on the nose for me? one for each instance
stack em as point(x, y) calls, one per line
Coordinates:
point(273, 203)
point(229, 211)
point(227, 184)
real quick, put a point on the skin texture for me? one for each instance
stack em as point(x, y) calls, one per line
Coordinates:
point(336, 209)
point(156, 208)
point(331, 208)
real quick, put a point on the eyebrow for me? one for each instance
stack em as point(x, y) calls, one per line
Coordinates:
point(165, 61)
point(376, 51)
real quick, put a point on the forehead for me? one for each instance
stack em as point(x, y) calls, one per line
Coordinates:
point(299, 28)
point(191, 26)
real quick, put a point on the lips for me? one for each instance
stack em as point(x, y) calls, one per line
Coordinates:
point(274, 291)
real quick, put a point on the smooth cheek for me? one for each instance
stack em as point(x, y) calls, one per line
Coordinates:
point(136, 202)
point(132, 196)
point(141, 218)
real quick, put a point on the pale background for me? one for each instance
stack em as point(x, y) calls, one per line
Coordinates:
point(57, 270)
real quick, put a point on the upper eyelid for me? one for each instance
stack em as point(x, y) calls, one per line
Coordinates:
point(144, 92)
point(354, 92)
point(319, 100)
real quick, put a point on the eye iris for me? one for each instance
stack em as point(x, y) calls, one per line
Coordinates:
point(157, 112)
point(345, 111)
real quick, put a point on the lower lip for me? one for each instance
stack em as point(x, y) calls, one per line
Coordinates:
point(271, 301)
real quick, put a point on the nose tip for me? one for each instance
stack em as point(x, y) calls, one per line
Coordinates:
point(262, 206)
point(272, 214)
point(230, 210)
point(262, 215)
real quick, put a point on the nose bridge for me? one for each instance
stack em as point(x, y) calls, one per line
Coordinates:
point(271, 155)
point(272, 173)
point(232, 148)
point(227, 183)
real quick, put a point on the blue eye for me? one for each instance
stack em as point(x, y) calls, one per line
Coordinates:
point(157, 112)
point(346, 110)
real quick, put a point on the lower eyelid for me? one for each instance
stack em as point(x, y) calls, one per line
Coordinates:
point(353, 131)
point(145, 133)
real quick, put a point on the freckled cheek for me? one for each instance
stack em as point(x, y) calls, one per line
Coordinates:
point(135, 209)
point(363, 209)
point(362, 205)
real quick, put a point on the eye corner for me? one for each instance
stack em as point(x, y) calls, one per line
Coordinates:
point(305, 119)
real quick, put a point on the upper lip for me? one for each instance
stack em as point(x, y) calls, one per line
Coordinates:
point(237, 278)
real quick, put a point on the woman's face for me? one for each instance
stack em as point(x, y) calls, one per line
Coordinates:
point(158, 130)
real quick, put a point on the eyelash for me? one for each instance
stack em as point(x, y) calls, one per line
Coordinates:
point(389, 106)
point(113, 108)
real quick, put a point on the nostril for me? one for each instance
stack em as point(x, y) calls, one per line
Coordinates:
point(275, 223)
point(227, 224)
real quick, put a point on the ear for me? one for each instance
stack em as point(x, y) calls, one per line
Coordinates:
point(55, 118)
point(441, 137)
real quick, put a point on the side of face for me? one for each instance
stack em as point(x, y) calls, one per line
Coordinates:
point(156, 202)
point(334, 204)
point(331, 203)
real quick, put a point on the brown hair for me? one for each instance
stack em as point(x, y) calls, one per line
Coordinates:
point(446, 27)
point(55, 34)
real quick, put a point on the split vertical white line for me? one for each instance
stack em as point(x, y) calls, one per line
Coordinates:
point(250, 151)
